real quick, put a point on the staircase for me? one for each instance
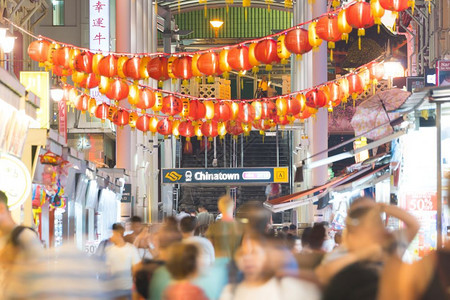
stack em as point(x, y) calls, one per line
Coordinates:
point(258, 151)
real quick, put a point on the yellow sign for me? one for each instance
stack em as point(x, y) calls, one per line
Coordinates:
point(173, 176)
point(15, 180)
point(39, 84)
point(280, 175)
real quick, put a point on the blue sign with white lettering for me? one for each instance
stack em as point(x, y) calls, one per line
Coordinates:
point(226, 176)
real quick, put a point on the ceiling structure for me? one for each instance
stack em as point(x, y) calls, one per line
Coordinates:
point(180, 6)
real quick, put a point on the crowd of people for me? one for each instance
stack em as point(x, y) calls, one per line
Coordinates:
point(194, 256)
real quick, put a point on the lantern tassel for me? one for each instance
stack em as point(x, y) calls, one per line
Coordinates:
point(245, 14)
point(206, 11)
point(331, 54)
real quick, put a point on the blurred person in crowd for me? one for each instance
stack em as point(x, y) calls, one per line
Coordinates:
point(328, 243)
point(255, 216)
point(192, 212)
point(293, 229)
point(183, 265)
point(144, 242)
point(226, 234)
point(166, 236)
point(121, 260)
point(425, 279)
point(357, 281)
point(206, 249)
point(366, 240)
point(19, 245)
point(255, 262)
point(63, 272)
point(204, 217)
point(312, 241)
point(160, 278)
point(183, 213)
point(136, 228)
point(263, 86)
point(337, 239)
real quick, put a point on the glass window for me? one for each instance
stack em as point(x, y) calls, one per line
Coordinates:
point(58, 12)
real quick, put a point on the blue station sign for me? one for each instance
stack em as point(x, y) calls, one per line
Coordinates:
point(226, 176)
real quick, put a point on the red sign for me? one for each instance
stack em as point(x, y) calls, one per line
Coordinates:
point(443, 72)
point(62, 112)
point(421, 202)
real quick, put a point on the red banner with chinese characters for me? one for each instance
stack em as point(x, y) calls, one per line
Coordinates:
point(62, 124)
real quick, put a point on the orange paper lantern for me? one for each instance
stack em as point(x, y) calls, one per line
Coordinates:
point(38, 50)
point(108, 66)
point(171, 105)
point(146, 99)
point(327, 29)
point(297, 41)
point(359, 15)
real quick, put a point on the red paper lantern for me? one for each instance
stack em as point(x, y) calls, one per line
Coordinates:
point(133, 120)
point(90, 82)
point(131, 69)
point(118, 90)
point(224, 66)
point(96, 62)
point(121, 66)
point(297, 41)
point(102, 112)
point(359, 15)
point(164, 127)
point(146, 99)
point(143, 123)
point(197, 110)
point(83, 62)
point(316, 98)
point(327, 29)
point(82, 102)
point(60, 71)
point(335, 93)
point(209, 129)
point(355, 85)
point(266, 51)
point(376, 71)
point(262, 125)
point(246, 113)
point(157, 68)
point(171, 105)
point(306, 113)
point(186, 129)
point(234, 128)
point(252, 58)
point(395, 5)
point(238, 58)
point(38, 50)
point(208, 64)
point(293, 106)
point(108, 66)
point(281, 120)
point(269, 110)
point(121, 118)
point(182, 67)
point(222, 112)
point(62, 57)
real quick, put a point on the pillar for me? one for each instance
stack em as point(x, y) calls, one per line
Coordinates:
point(123, 30)
point(303, 76)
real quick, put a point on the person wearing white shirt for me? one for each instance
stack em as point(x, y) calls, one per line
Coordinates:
point(121, 259)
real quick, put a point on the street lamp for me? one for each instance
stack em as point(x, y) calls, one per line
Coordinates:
point(8, 43)
point(216, 24)
point(57, 94)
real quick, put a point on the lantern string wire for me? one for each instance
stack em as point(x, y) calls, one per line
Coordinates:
point(335, 11)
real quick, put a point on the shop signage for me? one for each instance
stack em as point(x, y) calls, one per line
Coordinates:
point(226, 176)
point(15, 180)
point(62, 124)
point(443, 72)
point(39, 84)
point(126, 195)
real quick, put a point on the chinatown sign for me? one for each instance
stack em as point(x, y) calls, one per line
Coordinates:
point(15, 180)
point(226, 176)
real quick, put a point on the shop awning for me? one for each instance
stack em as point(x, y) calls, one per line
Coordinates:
point(353, 179)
